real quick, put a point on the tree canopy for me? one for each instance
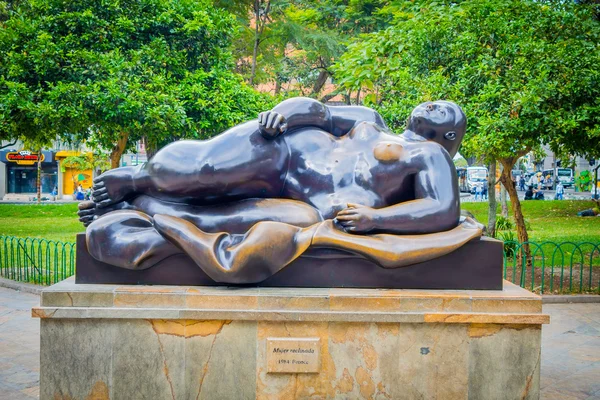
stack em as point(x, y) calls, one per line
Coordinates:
point(118, 71)
point(525, 72)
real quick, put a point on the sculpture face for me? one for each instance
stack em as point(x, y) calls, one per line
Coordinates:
point(441, 121)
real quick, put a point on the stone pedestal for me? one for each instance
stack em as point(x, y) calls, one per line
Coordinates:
point(159, 342)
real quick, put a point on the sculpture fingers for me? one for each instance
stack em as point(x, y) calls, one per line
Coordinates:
point(261, 118)
point(346, 217)
point(270, 120)
point(277, 122)
point(348, 211)
point(354, 205)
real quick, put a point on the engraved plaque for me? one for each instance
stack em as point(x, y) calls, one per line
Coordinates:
point(293, 355)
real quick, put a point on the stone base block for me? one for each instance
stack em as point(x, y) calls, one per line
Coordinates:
point(476, 265)
point(163, 342)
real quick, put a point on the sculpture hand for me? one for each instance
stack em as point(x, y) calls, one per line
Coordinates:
point(357, 218)
point(271, 124)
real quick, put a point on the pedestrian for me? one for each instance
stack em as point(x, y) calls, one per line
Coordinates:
point(529, 193)
point(560, 190)
point(79, 195)
point(522, 183)
point(484, 189)
point(478, 191)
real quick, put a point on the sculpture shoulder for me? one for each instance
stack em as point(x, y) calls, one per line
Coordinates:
point(417, 144)
point(308, 136)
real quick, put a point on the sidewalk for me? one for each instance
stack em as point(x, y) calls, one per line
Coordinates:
point(19, 346)
point(571, 352)
point(570, 349)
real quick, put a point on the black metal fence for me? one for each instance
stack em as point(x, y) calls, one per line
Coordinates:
point(33, 260)
point(565, 267)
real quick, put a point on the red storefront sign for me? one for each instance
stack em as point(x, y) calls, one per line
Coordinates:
point(23, 157)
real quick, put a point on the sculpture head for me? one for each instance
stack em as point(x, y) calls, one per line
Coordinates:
point(440, 121)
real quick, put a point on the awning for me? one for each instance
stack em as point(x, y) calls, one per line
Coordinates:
point(66, 153)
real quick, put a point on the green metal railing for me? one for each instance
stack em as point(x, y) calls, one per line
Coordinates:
point(33, 260)
point(564, 267)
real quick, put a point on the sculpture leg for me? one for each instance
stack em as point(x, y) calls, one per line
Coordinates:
point(233, 217)
point(238, 164)
point(127, 239)
point(264, 250)
point(130, 239)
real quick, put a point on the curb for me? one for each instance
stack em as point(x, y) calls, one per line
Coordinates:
point(20, 286)
point(546, 299)
point(569, 299)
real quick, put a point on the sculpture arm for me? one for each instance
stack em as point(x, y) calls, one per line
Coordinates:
point(302, 112)
point(435, 208)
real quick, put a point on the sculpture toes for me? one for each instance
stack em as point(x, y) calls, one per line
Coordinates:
point(100, 197)
point(87, 212)
point(104, 203)
point(86, 205)
point(99, 191)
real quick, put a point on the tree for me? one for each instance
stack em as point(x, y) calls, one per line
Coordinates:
point(115, 72)
point(526, 73)
point(84, 162)
point(297, 41)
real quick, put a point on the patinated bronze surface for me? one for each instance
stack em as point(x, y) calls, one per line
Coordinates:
point(303, 179)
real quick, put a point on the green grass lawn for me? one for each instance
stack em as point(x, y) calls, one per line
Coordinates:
point(555, 221)
point(47, 221)
point(548, 220)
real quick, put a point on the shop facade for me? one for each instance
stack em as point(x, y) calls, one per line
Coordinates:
point(71, 178)
point(18, 175)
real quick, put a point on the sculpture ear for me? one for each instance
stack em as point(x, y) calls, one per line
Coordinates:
point(450, 135)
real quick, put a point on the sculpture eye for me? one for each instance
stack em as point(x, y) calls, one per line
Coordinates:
point(450, 135)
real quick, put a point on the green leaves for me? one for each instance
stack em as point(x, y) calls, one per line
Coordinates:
point(94, 70)
point(525, 72)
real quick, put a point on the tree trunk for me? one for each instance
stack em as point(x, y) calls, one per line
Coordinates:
point(321, 80)
point(39, 177)
point(491, 228)
point(347, 98)
point(503, 199)
point(358, 97)
point(254, 55)
point(277, 87)
point(523, 237)
point(118, 149)
point(257, 32)
point(151, 148)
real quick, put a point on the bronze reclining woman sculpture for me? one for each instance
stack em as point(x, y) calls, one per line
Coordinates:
point(304, 176)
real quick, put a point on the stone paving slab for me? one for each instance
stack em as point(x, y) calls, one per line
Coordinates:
point(570, 349)
point(19, 346)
